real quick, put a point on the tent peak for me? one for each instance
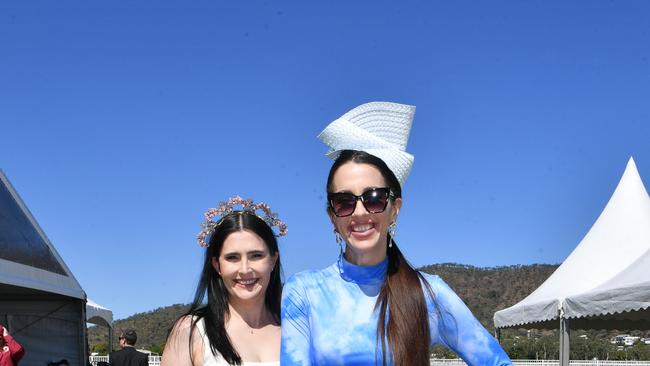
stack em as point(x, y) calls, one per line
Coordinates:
point(631, 164)
point(632, 177)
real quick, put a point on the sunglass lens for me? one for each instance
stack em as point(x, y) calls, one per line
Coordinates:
point(343, 204)
point(375, 200)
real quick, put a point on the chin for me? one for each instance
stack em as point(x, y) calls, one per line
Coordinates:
point(364, 245)
point(245, 295)
point(249, 297)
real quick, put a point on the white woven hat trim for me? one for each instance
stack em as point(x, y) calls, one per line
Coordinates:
point(378, 128)
point(391, 121)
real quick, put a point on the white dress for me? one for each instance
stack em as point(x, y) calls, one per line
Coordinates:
point(211, 360)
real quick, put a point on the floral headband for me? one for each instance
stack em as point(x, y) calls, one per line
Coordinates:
point(247, 206)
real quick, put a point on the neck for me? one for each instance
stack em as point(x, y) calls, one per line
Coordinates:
point(365, 257)
point(252, 312)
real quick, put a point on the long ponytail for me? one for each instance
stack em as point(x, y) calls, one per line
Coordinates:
point(403, 313)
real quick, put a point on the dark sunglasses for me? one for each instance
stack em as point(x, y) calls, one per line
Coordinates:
point(374, 200)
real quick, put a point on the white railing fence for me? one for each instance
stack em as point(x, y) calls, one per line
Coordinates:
point(459, 362)
point(153, 360)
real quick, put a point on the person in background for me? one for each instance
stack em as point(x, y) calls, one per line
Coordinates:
point(128, 356)
point(10, 351)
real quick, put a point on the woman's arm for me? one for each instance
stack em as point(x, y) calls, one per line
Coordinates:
point(177, 348)
point(459, 330)
point(15, 349)
point(296, 334)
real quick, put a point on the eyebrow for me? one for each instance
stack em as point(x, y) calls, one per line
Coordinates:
point(249, 252)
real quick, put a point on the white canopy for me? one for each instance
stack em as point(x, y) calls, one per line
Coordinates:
point(618, 237)
point(99, 315)
point(623, 302)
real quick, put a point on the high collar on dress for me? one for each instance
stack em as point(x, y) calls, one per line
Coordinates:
point(366, 275)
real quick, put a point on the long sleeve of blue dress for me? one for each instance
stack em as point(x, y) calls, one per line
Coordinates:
point(328, 318)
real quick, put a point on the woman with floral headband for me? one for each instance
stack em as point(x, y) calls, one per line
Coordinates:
point(370, 306)
point(235, 316)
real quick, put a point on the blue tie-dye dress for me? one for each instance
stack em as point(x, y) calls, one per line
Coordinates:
point(328, 318)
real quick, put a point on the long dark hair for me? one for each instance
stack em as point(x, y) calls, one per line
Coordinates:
point(211, 287)
point(403, 315)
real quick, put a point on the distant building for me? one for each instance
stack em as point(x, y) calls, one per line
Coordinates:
point(625, 340)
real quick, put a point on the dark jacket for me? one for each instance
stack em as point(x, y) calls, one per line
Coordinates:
point(128, 356)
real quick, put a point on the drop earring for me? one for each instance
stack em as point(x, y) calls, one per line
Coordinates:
point(392, 231)
point(339, 241)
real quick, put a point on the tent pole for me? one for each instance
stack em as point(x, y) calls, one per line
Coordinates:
point(83, 357)
point(497, 334)
point(110, 339)
point(564, 341)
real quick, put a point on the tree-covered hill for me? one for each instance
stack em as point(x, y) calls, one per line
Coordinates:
point(486, 290)
point(151, 327)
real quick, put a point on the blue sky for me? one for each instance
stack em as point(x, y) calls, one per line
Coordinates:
point(121, 123)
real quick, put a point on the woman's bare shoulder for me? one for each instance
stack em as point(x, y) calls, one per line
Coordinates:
point(177, 348)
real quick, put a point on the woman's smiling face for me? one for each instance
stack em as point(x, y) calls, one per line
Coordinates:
point(245, 265)
point(365, 233)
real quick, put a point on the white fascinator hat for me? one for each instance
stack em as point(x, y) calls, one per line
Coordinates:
point(379, 128)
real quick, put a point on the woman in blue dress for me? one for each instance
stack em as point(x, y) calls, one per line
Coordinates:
point(370, 307)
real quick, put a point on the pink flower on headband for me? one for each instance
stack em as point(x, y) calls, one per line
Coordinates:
point(247, 206)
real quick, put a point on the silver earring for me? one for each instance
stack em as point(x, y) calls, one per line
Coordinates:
point(339, 241)
point(338, 237)
point(392, 231)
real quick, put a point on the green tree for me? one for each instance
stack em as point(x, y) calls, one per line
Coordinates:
point(157, 348)
point(639, 351)
point(101, 349)
point(442, 352)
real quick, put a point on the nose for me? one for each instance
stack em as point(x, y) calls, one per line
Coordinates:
point(360, 208)
point(245, 266)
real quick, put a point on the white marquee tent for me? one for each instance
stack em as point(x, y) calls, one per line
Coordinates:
point(41, 302)
point(99, 315)
point(620, 303)
point(618, 238)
